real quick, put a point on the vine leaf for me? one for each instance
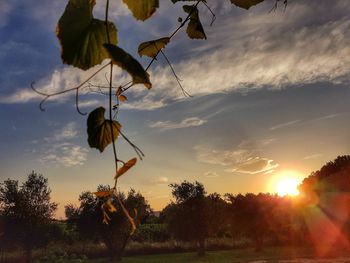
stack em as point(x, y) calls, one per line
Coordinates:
point(194, 29)
point(81, 36)
point(122, 98)
point(152, 48)
point(246, 4)
point(99, 129)
point(127, 62)
point(142, 9)
point(125, 167)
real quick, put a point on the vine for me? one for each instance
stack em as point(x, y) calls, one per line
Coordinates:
point(86, 42)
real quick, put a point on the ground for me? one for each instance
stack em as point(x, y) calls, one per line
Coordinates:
point(271, 255)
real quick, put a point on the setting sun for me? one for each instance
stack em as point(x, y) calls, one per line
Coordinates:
point(285, 183)
point(287, 186)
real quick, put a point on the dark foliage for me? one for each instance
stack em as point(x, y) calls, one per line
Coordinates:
point(26, 213)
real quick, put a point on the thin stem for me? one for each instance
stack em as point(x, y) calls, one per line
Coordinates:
point(47, 96)
point(110, 97)
point(106, 22)
point(185, 93)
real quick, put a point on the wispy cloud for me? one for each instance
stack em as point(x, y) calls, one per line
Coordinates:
point(169, 125)
point(313, 156)
point(255, 165)
point(264, 50)
point(60, 150)
point(283, 125)
point(211, 174)
point(65, 154)
point(69, 131)
point(161, 180)
point(330, 116)
point(245, 158)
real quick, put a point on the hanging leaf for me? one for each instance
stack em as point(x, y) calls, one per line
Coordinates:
point(81, 36)
point(99, 129)
point(152, 48)
point(142, 9)
point(194, 29)
point(128, 63)
point(246, 4)
point(122, 98)
point(125, 167)
point(103, 193)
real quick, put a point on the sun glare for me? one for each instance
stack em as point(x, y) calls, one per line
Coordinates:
point(287, 186)
point(285, 183)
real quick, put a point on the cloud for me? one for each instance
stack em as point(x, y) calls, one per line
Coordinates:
point(245, 158)
point(169, 125)
point(329, 116)
point(161, 180)
point(211, 174)
point(283, 125)
point(67, 132)
point(65, 154)
point(313, 156)
point(255, 165)
point(245, 51)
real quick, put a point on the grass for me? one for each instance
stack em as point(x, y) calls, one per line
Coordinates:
point(232, 256)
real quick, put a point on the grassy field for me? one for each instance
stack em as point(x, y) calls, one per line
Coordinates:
point(271, 255)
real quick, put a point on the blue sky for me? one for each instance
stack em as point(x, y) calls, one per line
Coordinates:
point(270, 95)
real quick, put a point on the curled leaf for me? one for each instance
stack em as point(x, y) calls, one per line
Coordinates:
point(127, 62)
point(142, 9)
point(246, 4)
point(152, 48)
point(125, 167)
point(99, 129)
point(82, 36)
point(122, 98)
point(194, 29)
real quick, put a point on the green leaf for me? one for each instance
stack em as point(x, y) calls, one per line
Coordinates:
point(99, 129)
point(142, 9)
point(194, 29)
point(246, 4)
point(128, 63)
point(151, 48)
point(81, 36)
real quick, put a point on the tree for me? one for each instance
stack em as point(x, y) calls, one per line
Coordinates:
point(187, 218)
point(114, 232)
point(27, 211)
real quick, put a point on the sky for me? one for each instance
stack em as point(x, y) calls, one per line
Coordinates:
point(270, 97)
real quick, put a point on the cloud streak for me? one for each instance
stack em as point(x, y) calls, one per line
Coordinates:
point(169, 125)
point(254, 50)
point(245, 158)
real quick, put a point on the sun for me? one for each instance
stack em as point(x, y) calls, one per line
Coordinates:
point(285, 183)
point(287, 186)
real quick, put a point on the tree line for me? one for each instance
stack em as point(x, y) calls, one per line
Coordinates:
point(194, 216)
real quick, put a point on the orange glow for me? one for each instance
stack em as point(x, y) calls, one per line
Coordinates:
point(287, 186)
point(285, 183)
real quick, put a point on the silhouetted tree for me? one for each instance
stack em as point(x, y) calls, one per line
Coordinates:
point(27, 211)
point(332, 177)
point(87, 219)
point(187, 218)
